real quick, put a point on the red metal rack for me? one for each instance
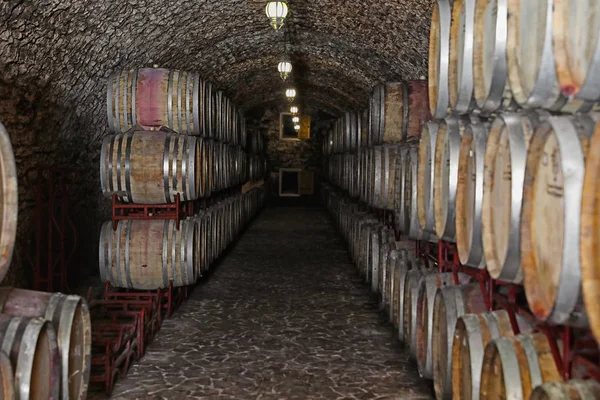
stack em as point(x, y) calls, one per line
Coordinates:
point(126, 211)
point(53, 235)
point(575, 351)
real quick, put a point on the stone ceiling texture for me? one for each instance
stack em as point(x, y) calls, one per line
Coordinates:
point(56, 55)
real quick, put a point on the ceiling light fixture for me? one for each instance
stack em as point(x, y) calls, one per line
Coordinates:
point(290, 94)
point(276, 11)
point(296, 120)
point(284, 68)
point(294, 110)
point(297, 127)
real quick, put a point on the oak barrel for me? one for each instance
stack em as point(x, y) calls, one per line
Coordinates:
point(576, 43)
point(404, 267)
point(397, 111)
point(473, 332)
point(490, 74)
point(70, 318)
point(151, 97)
point(9, 206)
point(425, 173)
point(386, 174)
point(411, 290)
point(575, 389)
point(469, 195)
point(460, 70)
point(439, 58)
point(388, 286)
point(531, 67)
point(450, 303)
point(505, 157)
point(152, 167)
point(411, 217)
point(399, 191)
point(148, 254)
point(513, 366)
point(424, 321)
point(445, 176)
point(31, 345)
point(7, 377)
point(590, 234)
point(550, 218)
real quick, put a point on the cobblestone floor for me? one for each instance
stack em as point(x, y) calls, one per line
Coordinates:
point(284, 316)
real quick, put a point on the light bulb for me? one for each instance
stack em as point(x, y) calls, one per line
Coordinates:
point(276, 11)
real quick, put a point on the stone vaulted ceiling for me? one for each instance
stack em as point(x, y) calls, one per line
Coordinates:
point(339, 48)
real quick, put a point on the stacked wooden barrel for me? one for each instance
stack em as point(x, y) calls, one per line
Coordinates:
point(45, 338)
point(507, 171)
point(176, 139)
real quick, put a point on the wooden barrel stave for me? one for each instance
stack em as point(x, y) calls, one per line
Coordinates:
point(127, 261)
point(460, 69)
point(411, 290)
point(469, 195)
point(575, 28)
point(575, 389)
point(557, 297)
point(473, 332)
point(415, 108)
point(425, 176)
point(424, 321)
point(388, 299)
point(70, 318)
point(450, 303)
point(30, 344)
point(513, 366)
point(411, 217)
point(439, 58)
point(404, 267)
point(589, 236)
point(7, 387)
point(399, 216)
point(9, 208)
point(490, 68)
point(447, 151)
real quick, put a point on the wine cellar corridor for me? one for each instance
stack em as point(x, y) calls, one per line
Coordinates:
point(300, 199)
point(288, 321)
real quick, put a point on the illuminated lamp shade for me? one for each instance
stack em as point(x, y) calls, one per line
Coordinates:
point(276, 11)
point(284, 68)
point(297, 127)
point(295, 120)
point(290, 94)
point(294, 110)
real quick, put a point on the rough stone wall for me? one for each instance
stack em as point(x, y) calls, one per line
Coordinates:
point(55, 56)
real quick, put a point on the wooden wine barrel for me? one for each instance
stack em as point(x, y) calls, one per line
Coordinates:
point(399, 217)
point(445, 176)
point(70, 318)
point(576, 28)
point(411, 217)
point(505, 157)
point(425, 173)
point(387, 176)
point(387, 298)
point(439, 58)
point(490, 69)
point(460, 69)
point(7, 386)
point(551, 212)
point(405, 265)
point(151, 97)
point(153, 167)
point(378, 276)
point(31, 345)
point(469, 195)
point(424, 321)
point(450, 303)
point(473, 332)
point(148, 254)
point(590, 236)
point(575, 389)
point(531, 67)
point(373, 260)
point(365, 125)
point(9, 208)
point(411, 290)
point(513, 366)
